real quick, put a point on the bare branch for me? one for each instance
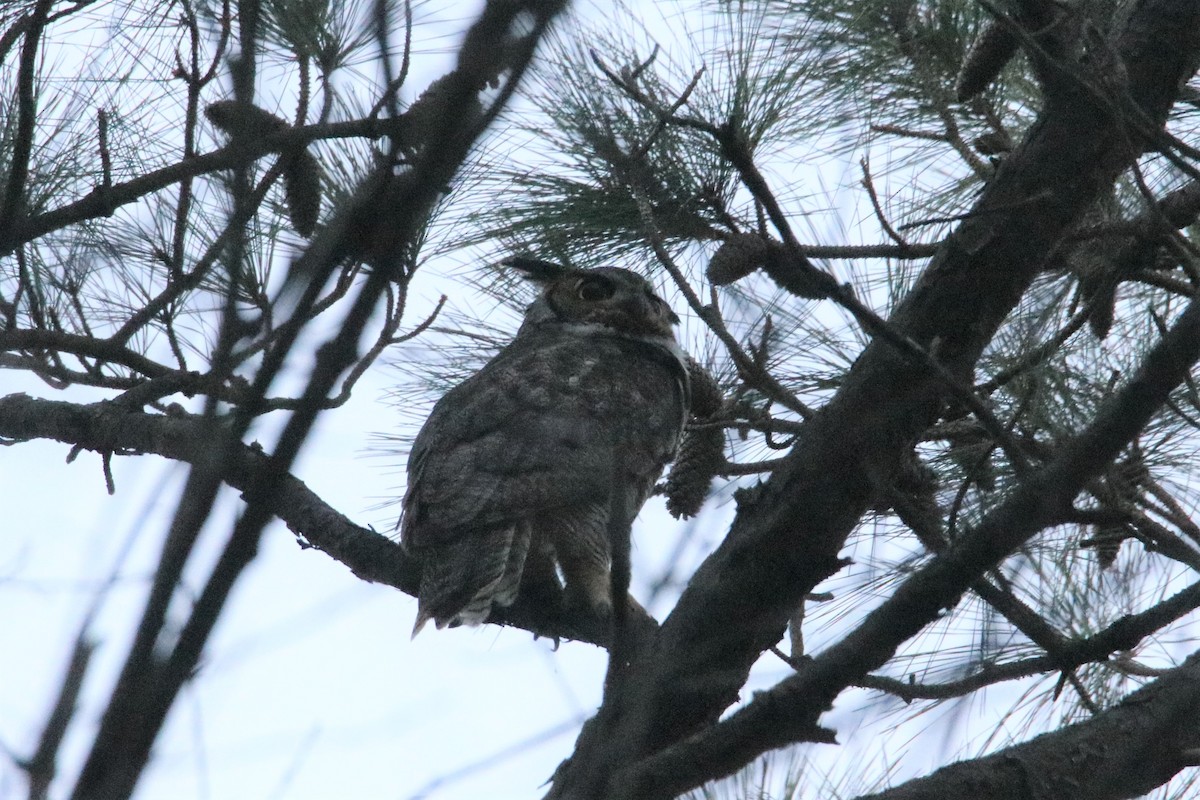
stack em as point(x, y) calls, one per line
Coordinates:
point(1107, 757)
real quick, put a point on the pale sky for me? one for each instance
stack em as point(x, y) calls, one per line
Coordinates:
point(311, 688)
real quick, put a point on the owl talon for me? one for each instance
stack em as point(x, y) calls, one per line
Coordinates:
point(576, 603)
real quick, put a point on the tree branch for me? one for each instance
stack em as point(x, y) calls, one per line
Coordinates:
point(21, 151)
point(238, 153)
point(786, 536)
point(109, 427)
point(1124, 752)
point(101, 349)
point(786, 712)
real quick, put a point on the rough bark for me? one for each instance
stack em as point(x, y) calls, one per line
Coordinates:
point(786, 540)
point(1124, 752)
point(789, 711)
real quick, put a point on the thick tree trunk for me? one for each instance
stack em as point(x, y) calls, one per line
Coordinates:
point(786, 540)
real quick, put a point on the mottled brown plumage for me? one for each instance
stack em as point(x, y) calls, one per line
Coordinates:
point(511, 477)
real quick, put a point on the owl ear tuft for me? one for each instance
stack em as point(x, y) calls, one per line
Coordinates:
point(537, 270)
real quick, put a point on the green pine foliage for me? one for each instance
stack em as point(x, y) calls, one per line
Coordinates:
point(813, 87)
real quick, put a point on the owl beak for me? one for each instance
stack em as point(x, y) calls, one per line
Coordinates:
point(641, 306)
point(645, 309)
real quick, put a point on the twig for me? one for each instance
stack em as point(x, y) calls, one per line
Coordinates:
point(423, 326)
point(909, 133)
point(391, 83)
point(751, 468)
point(101, 349)
point(1000, 208)
point(42, 767)
point(394, 314)
point(1037, 355)
point(1172, 285)
point(869, 185)
point(711, 316)
point(105, 155)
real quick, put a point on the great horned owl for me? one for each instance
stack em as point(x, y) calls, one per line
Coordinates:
point(511, 478)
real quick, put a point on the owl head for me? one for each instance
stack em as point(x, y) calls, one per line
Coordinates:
point(608, 296)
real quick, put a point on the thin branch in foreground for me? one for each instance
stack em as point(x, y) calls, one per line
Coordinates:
point(42, 766)
point(21, 150)
point(120, 753)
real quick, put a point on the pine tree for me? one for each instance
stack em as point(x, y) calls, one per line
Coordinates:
point(937, 264)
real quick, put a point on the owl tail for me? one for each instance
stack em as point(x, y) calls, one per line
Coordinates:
point(464, 577)
point(423, 616)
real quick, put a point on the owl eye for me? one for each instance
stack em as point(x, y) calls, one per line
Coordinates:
point(594, 289)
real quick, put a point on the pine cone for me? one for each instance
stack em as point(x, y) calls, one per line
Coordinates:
point(301, 171)
point(707, 396)
point(302, 188)
point(1102, 310)
point(1107, 541)
point(701, 457)
point(243, 119)
point(743, 253)
point(738, 256)
point(988, 55)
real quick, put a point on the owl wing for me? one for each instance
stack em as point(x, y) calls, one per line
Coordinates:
point(534, 431)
